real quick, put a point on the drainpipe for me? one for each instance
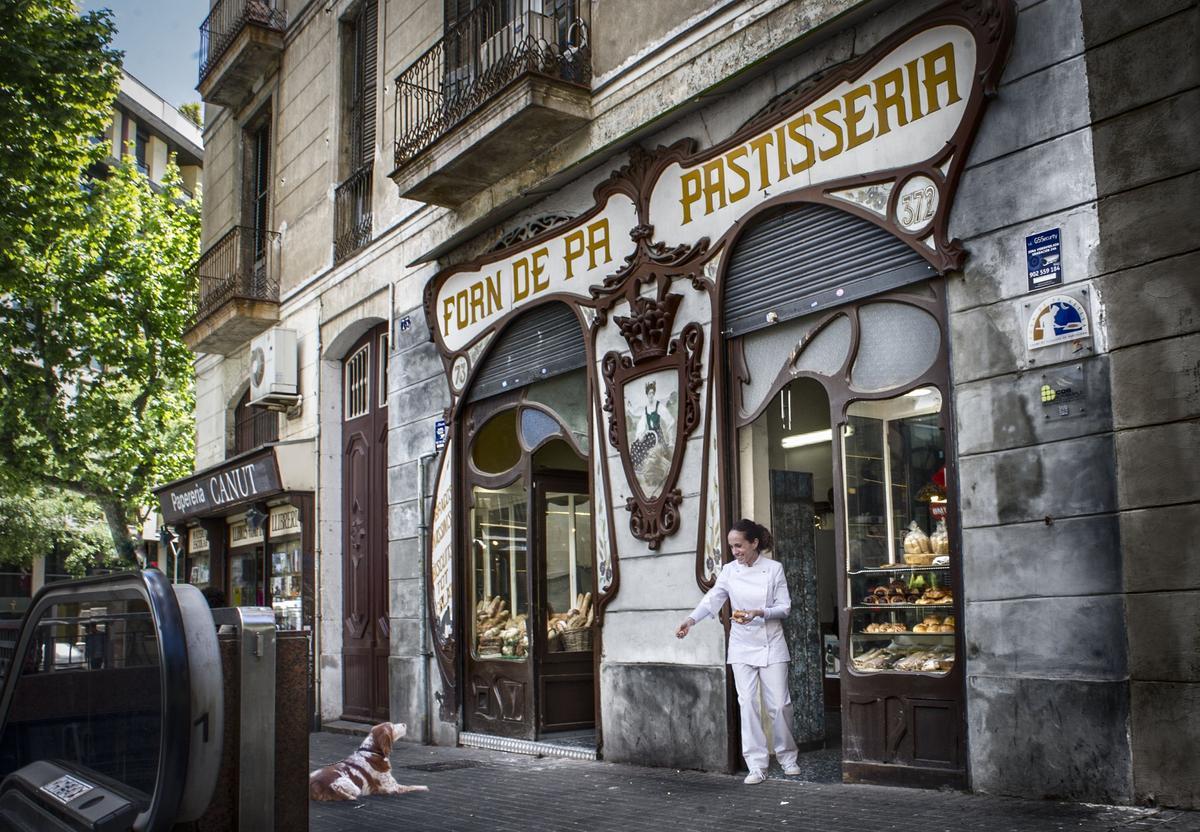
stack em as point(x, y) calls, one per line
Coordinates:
point(423, 617)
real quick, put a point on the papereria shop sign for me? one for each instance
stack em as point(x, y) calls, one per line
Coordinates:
point(900, 120)
point(217, 489)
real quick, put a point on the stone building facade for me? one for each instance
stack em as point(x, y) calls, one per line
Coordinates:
point(358, 209)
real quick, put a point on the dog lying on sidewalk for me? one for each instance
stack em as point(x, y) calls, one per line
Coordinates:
point(367, 771)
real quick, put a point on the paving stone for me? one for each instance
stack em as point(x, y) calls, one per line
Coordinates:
point(472, 789)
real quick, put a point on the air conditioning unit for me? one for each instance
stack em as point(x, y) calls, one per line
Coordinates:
point(273, 373)
point(528, 27)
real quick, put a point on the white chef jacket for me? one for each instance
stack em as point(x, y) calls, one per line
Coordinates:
point(761, 586)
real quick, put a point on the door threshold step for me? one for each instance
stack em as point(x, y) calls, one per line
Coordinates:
point(531, 747)
point(345, 726)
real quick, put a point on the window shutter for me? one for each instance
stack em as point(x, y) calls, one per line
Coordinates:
point(809, 257)
point(542, 343)
point(368, 39)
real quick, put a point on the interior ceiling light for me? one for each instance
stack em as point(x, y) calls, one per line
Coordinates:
point(801, 440)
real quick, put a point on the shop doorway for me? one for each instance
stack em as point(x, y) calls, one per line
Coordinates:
point(835, 344)
point(530, 666)
point(787, 481)
point(365, 622)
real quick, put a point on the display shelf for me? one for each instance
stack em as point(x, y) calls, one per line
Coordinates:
point(886, 607)
point(905, 634)
point(883, 570)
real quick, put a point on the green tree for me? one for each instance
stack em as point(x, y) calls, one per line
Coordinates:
point(46, 521)
point(95, 381)
point(58, 79)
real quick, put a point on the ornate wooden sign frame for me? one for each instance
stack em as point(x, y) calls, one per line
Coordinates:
point(654, 358)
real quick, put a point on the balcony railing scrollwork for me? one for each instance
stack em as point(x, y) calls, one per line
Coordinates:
point(480, 55)
point(352, 212)
point(242, 264)
point(226, 21)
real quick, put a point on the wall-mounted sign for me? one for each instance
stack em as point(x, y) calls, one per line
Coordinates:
point(240, 534)
point(901, 110)
point(285, 520)
point(1056, 319)
point(442, 554)
point(220, 488)
point(1063, 392)
point(469, 302)
point(1043, 256)
point(197, 540)
point(439, 434)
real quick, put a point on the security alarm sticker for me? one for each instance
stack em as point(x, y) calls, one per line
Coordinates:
point(1056, 319)
point(66, 788)
point(1043, 255)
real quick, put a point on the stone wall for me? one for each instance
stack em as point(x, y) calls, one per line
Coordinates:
point(1047, 666)
point(1145, 106)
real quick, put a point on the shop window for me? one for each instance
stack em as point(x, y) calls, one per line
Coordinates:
point(562, 395)
point(568, 541)
point(495, 449)
point(536, 427)
point(901, 592)
point(357, 383)
point(499, 570)
point(253, 426)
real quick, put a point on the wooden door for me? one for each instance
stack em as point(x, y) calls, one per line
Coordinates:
point(365, 628)
point(565, 571)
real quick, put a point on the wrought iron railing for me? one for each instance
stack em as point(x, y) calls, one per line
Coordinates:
point(483, 52)
point(242, 264)
point(352, 213)
point(227, 19)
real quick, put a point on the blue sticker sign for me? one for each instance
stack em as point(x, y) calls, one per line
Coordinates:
point(439, 434)
point(1043, 254)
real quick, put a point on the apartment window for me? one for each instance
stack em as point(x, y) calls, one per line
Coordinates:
point(260, 184)
point(381, 382)
point(141, 141)
point(352, 199)
point(253, 426)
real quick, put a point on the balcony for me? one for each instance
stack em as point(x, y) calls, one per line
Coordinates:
point(238, 291)
point(352, 213)
point(507, 82)
point(239, 41)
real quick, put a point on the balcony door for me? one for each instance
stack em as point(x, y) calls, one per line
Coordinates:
point(365, 625)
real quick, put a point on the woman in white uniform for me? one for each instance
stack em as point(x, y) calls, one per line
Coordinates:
point(757, 589)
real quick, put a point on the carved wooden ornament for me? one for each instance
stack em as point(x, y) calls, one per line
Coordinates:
point(652, 396)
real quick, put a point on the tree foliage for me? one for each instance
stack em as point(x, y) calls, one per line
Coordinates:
point(96, 380)
point(58, 78)
point(46, 521)
point(95, 383)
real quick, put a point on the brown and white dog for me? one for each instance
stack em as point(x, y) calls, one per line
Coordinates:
point(367, 771)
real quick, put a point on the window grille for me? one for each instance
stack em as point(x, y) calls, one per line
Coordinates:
point(357, 383)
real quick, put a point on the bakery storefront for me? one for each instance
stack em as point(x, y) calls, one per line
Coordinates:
point(756, 329)
point(246, 526)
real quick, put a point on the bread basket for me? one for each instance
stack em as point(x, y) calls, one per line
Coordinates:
point(576, 640)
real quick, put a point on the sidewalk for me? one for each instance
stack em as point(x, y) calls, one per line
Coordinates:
point(472, 789)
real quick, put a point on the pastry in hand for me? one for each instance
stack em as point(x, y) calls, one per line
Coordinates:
point(741, 616)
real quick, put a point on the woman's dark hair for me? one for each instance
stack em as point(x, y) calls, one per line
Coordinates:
point(754, 531)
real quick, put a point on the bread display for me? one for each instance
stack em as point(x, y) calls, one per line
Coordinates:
point(498, 633)
point(916, 542)
point(906, 659)
point(939, 541)
point(579, 617)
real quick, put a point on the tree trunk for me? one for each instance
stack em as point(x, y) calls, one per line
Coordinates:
point(118, 526)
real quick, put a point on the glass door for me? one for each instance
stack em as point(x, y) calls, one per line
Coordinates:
point(566, 635)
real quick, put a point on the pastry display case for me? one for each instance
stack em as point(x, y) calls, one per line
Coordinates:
point(899, 572)
point(499, 522)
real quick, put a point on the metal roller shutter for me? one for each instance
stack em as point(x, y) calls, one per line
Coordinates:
point(540, 344)
point(797, 261)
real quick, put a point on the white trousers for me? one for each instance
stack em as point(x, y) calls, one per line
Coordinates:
point(772, 682)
